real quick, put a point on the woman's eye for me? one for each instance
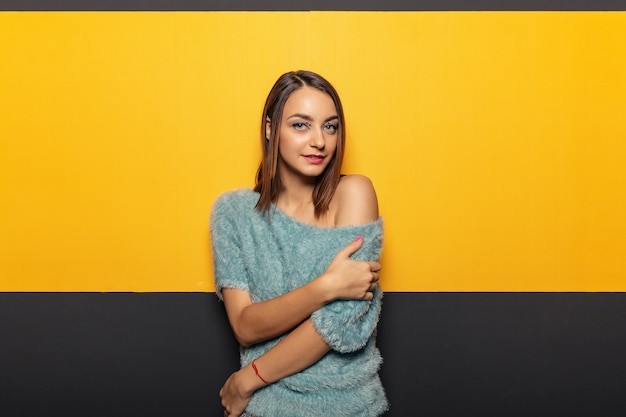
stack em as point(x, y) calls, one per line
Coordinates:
point(331, 128)
point(300, 125)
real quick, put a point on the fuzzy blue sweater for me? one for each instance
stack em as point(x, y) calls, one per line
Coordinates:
point(271, 256)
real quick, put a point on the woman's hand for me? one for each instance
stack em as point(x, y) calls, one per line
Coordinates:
point(350, 279)
point(237, 391)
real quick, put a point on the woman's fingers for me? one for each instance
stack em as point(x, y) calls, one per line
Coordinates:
point(375, 266)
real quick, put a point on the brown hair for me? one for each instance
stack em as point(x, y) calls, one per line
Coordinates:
point(268, 183)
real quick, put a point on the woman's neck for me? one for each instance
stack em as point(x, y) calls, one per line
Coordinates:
point(295, 198)
point(297, 202)
point(295, 190)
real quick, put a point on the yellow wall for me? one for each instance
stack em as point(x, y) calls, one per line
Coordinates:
point(496, 142)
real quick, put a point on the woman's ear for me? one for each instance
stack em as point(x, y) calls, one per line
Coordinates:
point(268, 128)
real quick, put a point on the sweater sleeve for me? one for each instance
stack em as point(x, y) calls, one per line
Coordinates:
point(347, 325)
point(228, 266)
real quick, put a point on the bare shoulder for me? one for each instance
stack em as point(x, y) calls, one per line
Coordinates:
point(355, 201)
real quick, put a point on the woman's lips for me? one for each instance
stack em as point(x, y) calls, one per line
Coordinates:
point(314, 159)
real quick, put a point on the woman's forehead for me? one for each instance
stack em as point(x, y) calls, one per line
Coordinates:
point(311, 102)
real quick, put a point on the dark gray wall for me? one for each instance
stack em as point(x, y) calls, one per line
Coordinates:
point(445, 354)
point(251, 5)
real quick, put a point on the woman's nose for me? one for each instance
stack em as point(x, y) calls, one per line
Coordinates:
point(317, 140)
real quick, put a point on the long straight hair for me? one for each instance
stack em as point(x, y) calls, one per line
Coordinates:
point(268, 183)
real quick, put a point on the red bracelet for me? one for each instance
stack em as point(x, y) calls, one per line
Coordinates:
point(256, 371)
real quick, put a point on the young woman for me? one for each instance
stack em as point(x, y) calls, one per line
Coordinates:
point(296, 265)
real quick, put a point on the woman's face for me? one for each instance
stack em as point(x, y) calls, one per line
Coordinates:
point(308, 134)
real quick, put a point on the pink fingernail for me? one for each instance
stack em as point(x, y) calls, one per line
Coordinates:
point(359, 239)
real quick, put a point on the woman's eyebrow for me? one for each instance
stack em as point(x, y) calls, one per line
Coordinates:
point(309, 118)
point(301, 116)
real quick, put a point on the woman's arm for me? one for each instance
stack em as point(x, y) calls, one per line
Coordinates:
point(343, 279)
point(346, 325)
point(297, 351)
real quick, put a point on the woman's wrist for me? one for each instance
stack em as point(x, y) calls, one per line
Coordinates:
point(323, 289)
point(250, 382)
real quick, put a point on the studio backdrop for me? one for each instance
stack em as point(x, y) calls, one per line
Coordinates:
point(495, 139)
